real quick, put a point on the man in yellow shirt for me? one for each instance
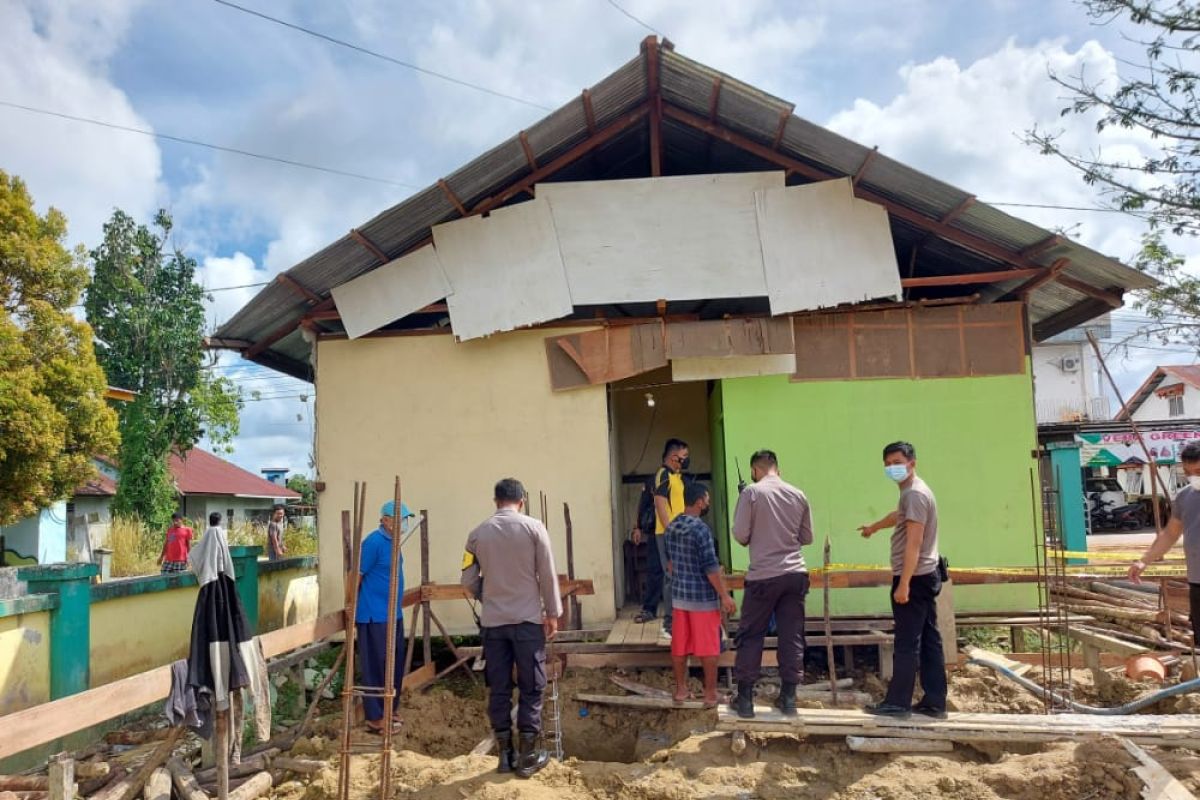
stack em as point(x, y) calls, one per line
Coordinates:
point(668, 504)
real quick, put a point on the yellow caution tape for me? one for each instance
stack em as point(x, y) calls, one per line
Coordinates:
point(1155, 570)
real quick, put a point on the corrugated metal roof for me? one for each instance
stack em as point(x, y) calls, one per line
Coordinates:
point(688, 85)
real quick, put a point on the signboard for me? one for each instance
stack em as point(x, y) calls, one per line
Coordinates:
point(1123, 449)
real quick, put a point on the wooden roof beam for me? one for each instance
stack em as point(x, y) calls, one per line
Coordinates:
point(524, 137)
point(1045, 244)
point(784, 116)
point(1047, 275)
point(714, 99)
point(370, 246)
point(862, 168)
point(1113, 299)
point(308, 294)
point(452, 197)
point(589, 113)
point(958, 210)
point(654, 95)
point(970, 278)
point(942, 229)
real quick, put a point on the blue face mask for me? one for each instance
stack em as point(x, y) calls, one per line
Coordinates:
point(897, 472)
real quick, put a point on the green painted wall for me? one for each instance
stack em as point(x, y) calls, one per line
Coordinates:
point(974, 440)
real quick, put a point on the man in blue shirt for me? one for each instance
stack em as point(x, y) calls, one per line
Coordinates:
point(698, 593)
point(371, 616)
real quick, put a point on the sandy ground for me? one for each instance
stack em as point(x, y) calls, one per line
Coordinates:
point(623, 754)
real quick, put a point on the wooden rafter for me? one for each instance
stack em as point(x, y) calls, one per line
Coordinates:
point(784, 116)
point(962, 238)
point(714, 99)
point(1045, 244)
point(654, 94)
point(1111, 298)
point(370, 246)
point(308, 294)
point(972, 277)
point(862, 168)
point(1048, 275)
point(524, 137)
point(589, 113)
point(452, 197)
point(958, 210)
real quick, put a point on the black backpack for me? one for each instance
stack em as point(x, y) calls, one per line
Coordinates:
point(646, 518)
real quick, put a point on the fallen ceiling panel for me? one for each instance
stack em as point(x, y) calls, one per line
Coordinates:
point(505, 270)
point(823, 247)
point(392, 291)
point(690, 237)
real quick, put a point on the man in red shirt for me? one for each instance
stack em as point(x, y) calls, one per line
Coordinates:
point(174, 556)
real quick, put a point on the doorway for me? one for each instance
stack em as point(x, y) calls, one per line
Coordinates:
point(644, 412)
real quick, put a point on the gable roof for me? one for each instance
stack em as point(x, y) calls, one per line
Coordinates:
point(664, 114)
point(201, 472)
point(1188, 373)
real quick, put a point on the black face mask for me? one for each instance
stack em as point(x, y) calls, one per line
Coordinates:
point(704, 511)
point(685, 463)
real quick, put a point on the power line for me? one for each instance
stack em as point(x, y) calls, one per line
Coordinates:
point(381, 56)
point(1054, 207)
point(209, 145)
point(613, 3)
point(230, 288)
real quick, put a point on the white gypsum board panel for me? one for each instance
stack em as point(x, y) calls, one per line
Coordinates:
point(505, 270)
point(823, 247)
point(391, 292)
point(716, 368)
point(688, 237)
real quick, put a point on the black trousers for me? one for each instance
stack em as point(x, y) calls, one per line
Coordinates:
point(523, 646)
point(653, 590)
point(781, 597)
point(918, 644)
point(372, 655)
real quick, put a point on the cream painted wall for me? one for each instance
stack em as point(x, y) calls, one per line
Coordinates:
point(24, 661)
point(451, 418)
point(163, 622)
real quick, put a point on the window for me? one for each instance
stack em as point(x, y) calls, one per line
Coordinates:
point(228, 518)
point(1175, 405)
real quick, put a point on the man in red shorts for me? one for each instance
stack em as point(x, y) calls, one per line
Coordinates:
point(698, 593)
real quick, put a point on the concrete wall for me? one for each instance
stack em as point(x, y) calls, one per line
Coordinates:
point(450, 419)
point(24, 661)
point(974, 437)
point(42, 537)
point(285, 596)
point(139, 632)
point(197, 507)
point(1067, 395)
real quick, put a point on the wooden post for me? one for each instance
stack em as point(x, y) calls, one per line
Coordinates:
point(427, 644)
point(221, 748)
point(576, 617)
point(62, 777)
point(947, 625)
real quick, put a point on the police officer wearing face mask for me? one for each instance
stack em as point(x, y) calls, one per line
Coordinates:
point(1185, 521)
point(371, 616)
point(916, 582)
point(773, 519)
point(668, 504)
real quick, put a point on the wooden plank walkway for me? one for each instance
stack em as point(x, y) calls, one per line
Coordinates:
point(625, 632)
point(1175, 730)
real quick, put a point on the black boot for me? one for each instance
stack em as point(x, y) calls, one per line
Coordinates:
point(743, 703)
point(531, 756)
point(786, 702)
point(508, 758)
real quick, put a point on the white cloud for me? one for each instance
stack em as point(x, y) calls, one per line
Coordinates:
point(55, 58)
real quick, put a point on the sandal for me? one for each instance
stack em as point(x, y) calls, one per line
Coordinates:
point(377, 730)
point(643, 617)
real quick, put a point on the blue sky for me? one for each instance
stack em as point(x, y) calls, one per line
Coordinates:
point(945, 86)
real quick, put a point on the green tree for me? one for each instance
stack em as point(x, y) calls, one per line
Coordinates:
point(148, 313)
point(53, 417)
point(301, 484)
point(1155, 96)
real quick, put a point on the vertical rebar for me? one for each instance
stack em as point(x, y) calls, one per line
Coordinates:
point(389, 674)
point(351, 612)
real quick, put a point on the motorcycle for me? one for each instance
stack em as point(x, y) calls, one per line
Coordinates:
point(1107, 515)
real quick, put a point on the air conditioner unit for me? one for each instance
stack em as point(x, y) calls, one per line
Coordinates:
point(1070, 364)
